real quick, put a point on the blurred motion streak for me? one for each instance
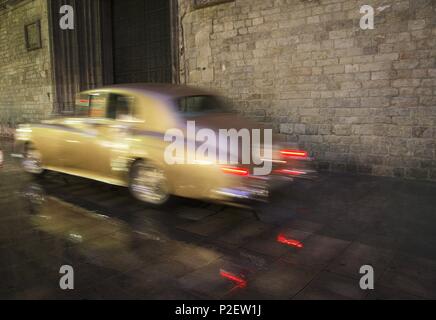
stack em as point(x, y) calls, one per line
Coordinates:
point(235, 171)
point(291, 172)
point(294, 154)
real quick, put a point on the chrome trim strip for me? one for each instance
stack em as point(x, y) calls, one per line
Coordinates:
point(64, 128)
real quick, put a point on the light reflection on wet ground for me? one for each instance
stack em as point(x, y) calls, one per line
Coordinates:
point(120, 248)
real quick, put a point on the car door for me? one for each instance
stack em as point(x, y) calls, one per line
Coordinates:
point(111, 141)
point(47, 138)
point(82, 132)
point(100, 138)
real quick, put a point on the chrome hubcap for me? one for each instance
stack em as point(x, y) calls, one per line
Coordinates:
point(32, 162)
point(149, 184)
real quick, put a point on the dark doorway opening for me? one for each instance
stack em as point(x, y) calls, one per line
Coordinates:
point(141, 35)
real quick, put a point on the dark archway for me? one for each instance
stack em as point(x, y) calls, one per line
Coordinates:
point(114, 41)
point(141, 33)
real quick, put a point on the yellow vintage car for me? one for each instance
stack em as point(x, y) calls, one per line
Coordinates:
point(118, 136)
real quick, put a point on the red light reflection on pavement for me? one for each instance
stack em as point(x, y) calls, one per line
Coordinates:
point(281, 238)
point(239, 281)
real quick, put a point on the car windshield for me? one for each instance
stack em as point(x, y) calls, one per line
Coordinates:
point(192, 106)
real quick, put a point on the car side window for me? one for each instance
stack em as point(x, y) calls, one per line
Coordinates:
point(199, 105)
point(97, 105)
point(120, 107)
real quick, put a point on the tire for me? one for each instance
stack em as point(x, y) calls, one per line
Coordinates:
point(32, 161)
point(148, 183)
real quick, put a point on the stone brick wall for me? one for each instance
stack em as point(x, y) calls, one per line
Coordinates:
point(25, 76)
point(360, 101)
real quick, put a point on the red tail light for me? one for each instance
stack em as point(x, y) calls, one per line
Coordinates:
point(236, 171)
point(298, 154)
point(240, 282)
point(289, 242)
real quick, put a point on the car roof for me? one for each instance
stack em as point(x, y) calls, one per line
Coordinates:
point(169, 90)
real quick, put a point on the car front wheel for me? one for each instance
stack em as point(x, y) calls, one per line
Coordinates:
point(148, 183)
point(32, 161)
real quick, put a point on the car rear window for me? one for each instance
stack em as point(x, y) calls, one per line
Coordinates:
point(200, 105)
point(91, 105)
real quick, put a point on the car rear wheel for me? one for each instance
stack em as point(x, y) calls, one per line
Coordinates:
point(32, 162)
point(148, 183)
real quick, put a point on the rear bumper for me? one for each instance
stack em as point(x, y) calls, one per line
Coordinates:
point(257, 189)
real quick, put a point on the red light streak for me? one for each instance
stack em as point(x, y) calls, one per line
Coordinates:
point(241, 283)
point(289, 242)
point(235, 171)
point(294, 154)
point(291, 172)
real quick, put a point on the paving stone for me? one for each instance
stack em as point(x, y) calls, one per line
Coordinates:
point(413, 265)
point(358, 255)
point(328, 285)
point(282, 280)
point(385, 293)
point(87, 274)
point(144, 282)
point(244, 232)
point(382, 241)
point(208, 282)
point(194, 214)
point(304, 225)
point(411, 275)
point(318, 251)
point(110, 289)
point(41, 292)
point(247, 294)
point(311, 293)
point(342, 229)
point(29, 274)
point(410, 284)
point(194, 256)
point(102, 196)
point(174, 293)
point(213, 225)
point(275, 214)
point(267, 245)
point(87, 192)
